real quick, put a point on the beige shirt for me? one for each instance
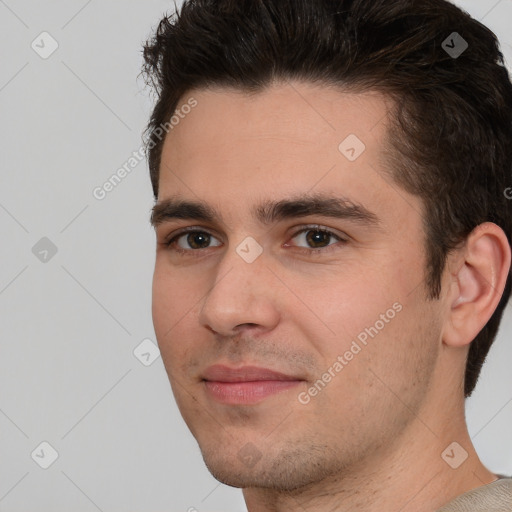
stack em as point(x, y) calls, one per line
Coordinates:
point(493, 497)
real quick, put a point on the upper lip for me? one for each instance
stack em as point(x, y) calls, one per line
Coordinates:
point(222, 373)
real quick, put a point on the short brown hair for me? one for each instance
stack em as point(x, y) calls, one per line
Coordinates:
point(451, 133)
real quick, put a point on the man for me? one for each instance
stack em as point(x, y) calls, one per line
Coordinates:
point(333, 245)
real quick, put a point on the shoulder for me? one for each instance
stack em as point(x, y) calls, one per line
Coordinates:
point(493, 497)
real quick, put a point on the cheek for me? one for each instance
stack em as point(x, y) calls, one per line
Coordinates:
point(396, 360)
point(173, 301)
point(161, 303)
point(371, 316)
point(353, 300)
point(170, 297)
point(167, 309)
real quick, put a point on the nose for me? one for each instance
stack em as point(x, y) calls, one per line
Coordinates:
point(242, 294)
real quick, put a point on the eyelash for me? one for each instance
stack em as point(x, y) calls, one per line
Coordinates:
point(303, 250)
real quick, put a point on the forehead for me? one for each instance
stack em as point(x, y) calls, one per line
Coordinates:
point(238, 149)
point(280, 126)
point(293, 112)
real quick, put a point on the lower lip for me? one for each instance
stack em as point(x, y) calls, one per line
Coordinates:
point(234, 393)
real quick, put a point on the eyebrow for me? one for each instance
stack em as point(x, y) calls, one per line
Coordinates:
point(269, 211)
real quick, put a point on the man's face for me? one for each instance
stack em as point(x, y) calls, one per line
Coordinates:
point(347, 323)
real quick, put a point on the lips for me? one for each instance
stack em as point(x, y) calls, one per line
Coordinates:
point(221, 373)
point(245, 385)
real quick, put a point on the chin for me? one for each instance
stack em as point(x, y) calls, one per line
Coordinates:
point(289, 470)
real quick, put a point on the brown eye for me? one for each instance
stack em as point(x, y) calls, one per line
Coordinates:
point(191, 240)
point(316, 238)
point(198, 240)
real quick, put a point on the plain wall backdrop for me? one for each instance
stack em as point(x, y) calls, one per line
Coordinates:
point(76, 271)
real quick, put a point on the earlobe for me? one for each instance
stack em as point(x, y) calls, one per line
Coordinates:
point(478, 284)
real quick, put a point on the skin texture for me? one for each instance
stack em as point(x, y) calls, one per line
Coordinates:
point(372, 438)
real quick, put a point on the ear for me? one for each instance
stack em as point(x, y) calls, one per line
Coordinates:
point(477, 284)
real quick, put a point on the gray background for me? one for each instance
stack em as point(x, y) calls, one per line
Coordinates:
point(70, 321)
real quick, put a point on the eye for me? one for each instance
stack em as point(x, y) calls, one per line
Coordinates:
point(190, 240)
point(319, 238)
